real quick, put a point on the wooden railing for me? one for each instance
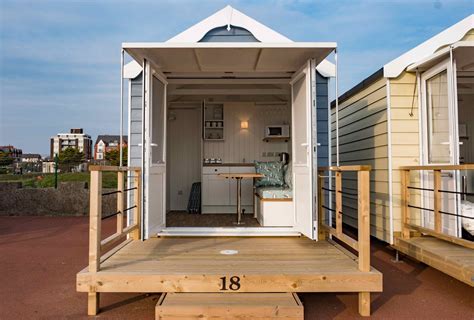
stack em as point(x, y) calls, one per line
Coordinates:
point(362, 244)
point(96, 245)
point(438, 192)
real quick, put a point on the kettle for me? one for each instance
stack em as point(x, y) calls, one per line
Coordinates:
point(284, 157)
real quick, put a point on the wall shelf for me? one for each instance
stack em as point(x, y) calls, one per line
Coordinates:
point(276, 139)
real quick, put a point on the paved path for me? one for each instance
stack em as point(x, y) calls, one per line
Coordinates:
point(40, 256)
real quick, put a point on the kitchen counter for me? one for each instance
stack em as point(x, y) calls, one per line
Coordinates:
point(246, 164)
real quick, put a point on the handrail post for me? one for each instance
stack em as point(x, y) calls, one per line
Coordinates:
point(120, 198)
point(437, 200)
point(338, 195)
point(321, 232)
point(136, 200)
point(95, 216)
point(363, 206)
point(405, 183)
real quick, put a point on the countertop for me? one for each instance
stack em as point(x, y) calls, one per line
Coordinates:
point(246, 164)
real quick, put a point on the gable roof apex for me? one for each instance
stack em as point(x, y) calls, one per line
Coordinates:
point(229, 16)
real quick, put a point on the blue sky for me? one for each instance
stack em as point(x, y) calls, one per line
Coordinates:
point(60, 60)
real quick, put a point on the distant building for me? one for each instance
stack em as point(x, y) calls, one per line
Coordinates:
point(76, 138)
point(48, 167)
point(106, 143)
point(31, 157)
point(12, 152)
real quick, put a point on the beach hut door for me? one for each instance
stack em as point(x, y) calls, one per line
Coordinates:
point(155, 155)
point(302, 145)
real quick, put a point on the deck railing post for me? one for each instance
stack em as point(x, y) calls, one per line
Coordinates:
point(363, 182)
point(405, 199)
point(338, 194)
point(120, 198)
point(437, 200)
point(95, 216)
point(136, 201)
point(321, 232)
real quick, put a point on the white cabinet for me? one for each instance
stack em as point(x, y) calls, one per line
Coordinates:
point(219, 195)
point(215, 190)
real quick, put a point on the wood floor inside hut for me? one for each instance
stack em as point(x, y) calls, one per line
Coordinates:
point(185, 219)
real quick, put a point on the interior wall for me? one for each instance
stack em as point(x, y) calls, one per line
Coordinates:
point(184, 154)
point(466, 118)
point(247, 144)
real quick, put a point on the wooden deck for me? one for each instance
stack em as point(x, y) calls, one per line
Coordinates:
point(450, 258)
point(261, 265)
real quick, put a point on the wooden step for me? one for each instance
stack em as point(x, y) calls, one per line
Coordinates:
point(174, 306)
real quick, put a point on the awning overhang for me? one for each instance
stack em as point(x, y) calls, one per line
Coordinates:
point(463, 51)
point(228, 57)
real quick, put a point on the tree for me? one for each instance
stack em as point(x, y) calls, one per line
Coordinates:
point(5, 159)
point(69, 158)
point(113, 156)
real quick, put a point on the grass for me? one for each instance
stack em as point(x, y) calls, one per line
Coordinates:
point(46, 180)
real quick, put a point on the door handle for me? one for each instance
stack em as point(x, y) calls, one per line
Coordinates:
point(153, 145)
point(305, 144)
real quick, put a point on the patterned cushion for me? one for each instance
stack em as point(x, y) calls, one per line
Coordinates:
point(274, 192)
point(272, 171)
point(289, 175)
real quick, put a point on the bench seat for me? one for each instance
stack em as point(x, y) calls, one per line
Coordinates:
point(275, 193)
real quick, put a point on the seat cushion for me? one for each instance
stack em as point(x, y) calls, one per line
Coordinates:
point(272, 171)
point(275, 193)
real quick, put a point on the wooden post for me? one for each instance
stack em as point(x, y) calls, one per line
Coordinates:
point(137, 202)
point(405, 193)
point(95, 216)
point(363, 182)
point(437, 200)
point(321, 232)
point(338, 195)
point(120, 198)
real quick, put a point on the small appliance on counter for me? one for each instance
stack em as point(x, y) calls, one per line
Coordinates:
point(212, 161)
point(284, 157)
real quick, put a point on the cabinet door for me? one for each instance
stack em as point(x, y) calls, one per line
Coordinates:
point(215, 190)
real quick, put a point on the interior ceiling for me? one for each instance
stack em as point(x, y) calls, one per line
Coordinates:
point(229, 60)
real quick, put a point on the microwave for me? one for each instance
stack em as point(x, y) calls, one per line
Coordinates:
point(277, 131)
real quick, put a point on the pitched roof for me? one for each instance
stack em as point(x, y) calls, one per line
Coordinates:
point(449, 36)
point(31, 155)
point(228, 16)
point(110, 138)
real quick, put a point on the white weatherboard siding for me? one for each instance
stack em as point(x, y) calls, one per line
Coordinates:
point(248, 143)
point(363, 140)
point(405, 136)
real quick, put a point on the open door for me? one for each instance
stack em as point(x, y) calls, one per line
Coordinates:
point(154, 213)
point(440, 143)
point(303, 144)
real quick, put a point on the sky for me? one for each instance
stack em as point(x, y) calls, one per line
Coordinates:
point(60, 60)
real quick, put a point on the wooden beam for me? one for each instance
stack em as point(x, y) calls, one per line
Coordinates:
point(112, 168)
point(342, 237)
point(363, 207)
point(437, 200)
point(441, 167)
point(346, 168)
point(442, 236)
point(93, 302)
point(95, 217)
point(135, 234)
point(364, 304)
point(120, 200)
point(405, 193)
point(338, 195)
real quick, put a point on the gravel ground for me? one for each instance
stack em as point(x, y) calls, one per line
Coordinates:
point(40, 256)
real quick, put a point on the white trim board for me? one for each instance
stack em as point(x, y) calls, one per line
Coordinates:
point(229, 232)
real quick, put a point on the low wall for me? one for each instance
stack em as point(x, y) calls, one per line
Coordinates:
point(71, 198)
